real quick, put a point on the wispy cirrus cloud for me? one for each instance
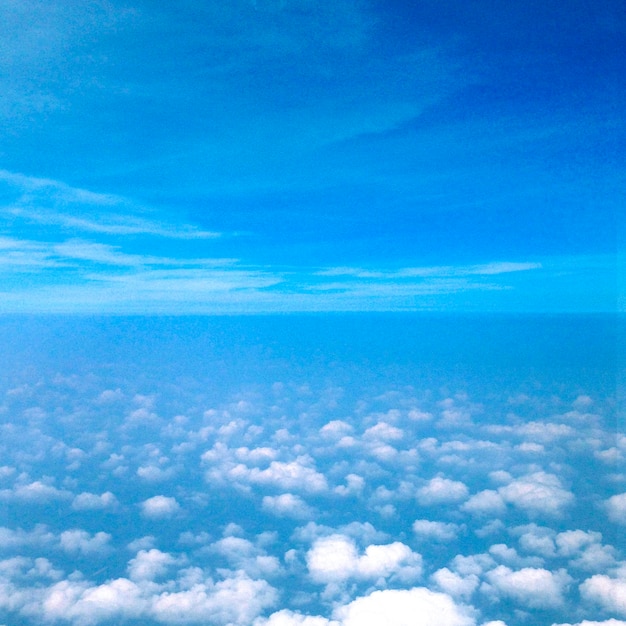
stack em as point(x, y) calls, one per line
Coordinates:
point(486, 269)
point(55, 204)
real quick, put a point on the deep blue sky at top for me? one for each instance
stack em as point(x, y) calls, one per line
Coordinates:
point(299, 154)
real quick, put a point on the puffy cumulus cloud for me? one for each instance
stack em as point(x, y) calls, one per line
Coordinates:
point(607, 592)
point(291, 618)
point(160, 507)
point(486, 502)
point(616, 508)
point(383, 431)
point(354, 485)
point(441, 490)
point(406, 607)
point(538, 493)
point(149, 564)
point(336, 559)
point(608, 622)
point(81, 603)
point(236, 601)
point(536, 539)
point(545, 432)
point(25, 569)
point(440, 531)
point(336, 429)
point(155, 474)
point(296, 475)
point(454, 584)
point(18, 538)
point(191, 598)
point(585, 549)
point(81, 542)
point(241, 554)
point(505, 554)
point(363, 532)
point(532, 587)
point(287, 505)
point(36, 492)
point(92, 502)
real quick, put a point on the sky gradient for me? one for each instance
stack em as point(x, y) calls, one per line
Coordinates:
point(274, 155)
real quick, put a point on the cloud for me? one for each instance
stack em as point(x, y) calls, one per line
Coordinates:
point(609, 593)
point(92, 502)
point(18, 538)
point(442, 491)
point(160, 507)
point(80, 541)
point(608, 622)
point(291, 618)
point(235, 601)
point(243, 555)
point(454, 584)
point(298, 475)
point(54, 203)
point(336, 559)
point(486, 502)
point(149, 564)
point(287, 505)
point(35, 492)
point(616, 508)
point(538, 493)
point(532, 587)
point(404, 608)
point(190, 598)
point(440, 531)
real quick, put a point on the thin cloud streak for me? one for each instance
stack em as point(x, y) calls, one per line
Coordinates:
point(50, 202)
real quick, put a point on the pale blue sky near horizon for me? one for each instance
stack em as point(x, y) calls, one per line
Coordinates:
point(279, 156)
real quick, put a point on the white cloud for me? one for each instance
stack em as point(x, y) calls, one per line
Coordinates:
point(91, 502)
point(149, 564)
point(287, 505)
point(609, 593)
point(486, 502)
point(291, 618)
point(18, 538)
point(243, 555)
point(532, 587)
point(538, 493)
point(354, 485)
point(441, 531)
point(80, 541)
point(384, 432)
point(616, 508)
point(608, 622)
point(442, 491)
point(83, 604)
point(297, 475)
point(508, 555)
point(191, 598)
point(406, 607)
point(537, 540)
point(454, 584)
point(159, 507)
point(336, 559)
point(36, 491)
point(236, 601)
point(336, 429)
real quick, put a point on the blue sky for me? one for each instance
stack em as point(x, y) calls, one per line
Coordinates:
point(277, 155)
